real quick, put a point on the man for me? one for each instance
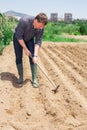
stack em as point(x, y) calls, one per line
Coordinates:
point(28, 37)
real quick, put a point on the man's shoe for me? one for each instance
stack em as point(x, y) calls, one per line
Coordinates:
point(20, 72)
point(34, 75)
point(35, 84)
point(20, 81)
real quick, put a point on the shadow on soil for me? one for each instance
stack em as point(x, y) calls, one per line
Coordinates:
point(13, 79)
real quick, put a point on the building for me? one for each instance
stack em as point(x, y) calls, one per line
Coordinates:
point(68, 17)
point(54, 17)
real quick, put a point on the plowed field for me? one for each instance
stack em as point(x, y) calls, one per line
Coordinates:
point(26, 108)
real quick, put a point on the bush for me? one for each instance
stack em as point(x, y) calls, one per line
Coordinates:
point(83, 29)
point(6, 31)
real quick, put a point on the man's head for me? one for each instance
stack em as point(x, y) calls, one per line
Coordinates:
point(40, 21)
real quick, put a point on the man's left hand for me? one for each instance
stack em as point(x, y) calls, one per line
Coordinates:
point(34, 60)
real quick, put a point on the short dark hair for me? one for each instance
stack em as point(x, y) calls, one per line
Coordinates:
point(42, 18)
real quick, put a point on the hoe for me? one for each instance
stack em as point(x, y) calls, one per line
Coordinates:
point(56, 87)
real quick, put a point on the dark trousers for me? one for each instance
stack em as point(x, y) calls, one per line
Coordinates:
point(19, 50)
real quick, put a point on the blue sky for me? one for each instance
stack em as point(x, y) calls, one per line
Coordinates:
point(78, 8)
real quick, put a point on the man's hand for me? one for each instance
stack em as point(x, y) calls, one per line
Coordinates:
point(22, 43)
point(27, 52)
point(34, 59)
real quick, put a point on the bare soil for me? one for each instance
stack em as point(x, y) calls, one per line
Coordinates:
point(27, 108)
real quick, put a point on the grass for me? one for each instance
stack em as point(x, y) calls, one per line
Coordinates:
point(60, 38)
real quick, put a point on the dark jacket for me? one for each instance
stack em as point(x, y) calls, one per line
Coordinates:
point(26, 31)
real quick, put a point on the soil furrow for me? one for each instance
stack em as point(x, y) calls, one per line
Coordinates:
point(79, 58)
point(69, 61)
point(67, 83)
point(81, 82)
point(66, 57)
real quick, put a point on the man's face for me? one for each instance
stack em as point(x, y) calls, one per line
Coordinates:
point(38, 25)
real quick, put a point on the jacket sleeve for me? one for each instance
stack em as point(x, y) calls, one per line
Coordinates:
point(38, 38)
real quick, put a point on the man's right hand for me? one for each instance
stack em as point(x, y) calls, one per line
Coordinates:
point(27, 52)
point(22, 43)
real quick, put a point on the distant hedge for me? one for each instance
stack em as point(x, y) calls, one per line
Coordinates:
point(55, 31)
